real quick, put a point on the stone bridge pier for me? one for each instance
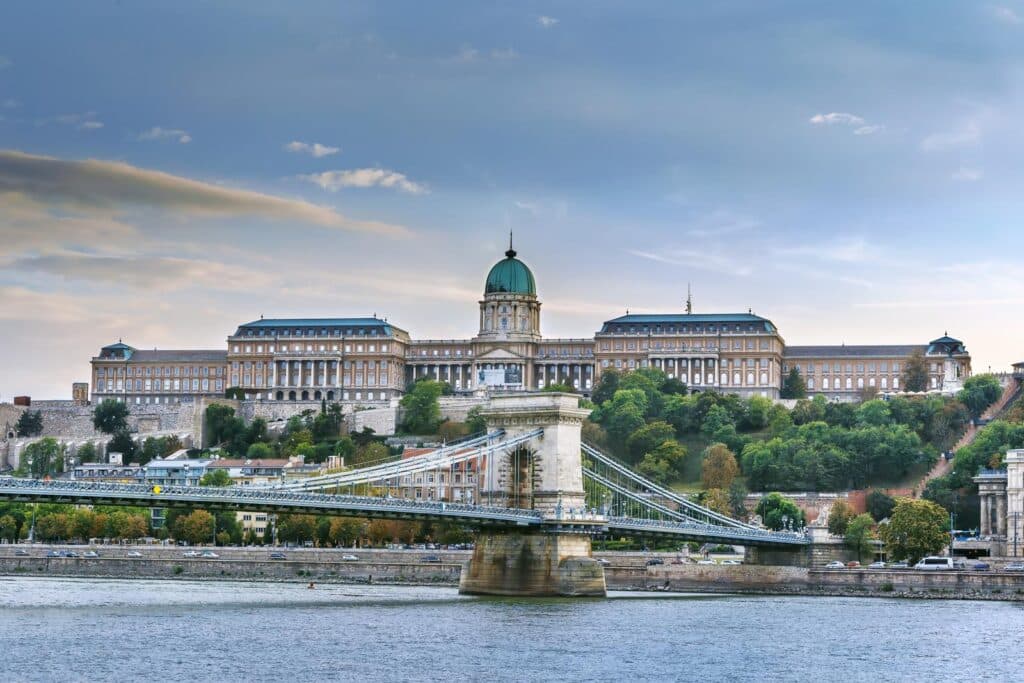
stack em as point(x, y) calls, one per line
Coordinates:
point(544, 474)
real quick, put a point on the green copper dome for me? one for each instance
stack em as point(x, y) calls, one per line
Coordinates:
point(510, 275)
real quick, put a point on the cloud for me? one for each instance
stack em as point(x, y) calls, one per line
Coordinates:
point(721, 222)
point(5, 62)
point(11, 103)
point(314, 149)
point(112, 185)
point(158, 133)
point(868, 130)
point(967, 174)
point(465, 55)
point(468, 54)
point(365, 177)
point(845, 251)
point(29, 225)
point(546, 22)
point(507, 53)
point(84, 121)
point(968, 134)
point(90, 125)
point(1005, 14)
point(692, 258)
point(837, 117)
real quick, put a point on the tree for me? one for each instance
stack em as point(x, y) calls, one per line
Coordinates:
point(778, 512)
point(809, 411)
point(874, 413)
point(673, 386)
point(296, 528)
point(562, 387)
point(880, 505)
point(622, 415)
point(87, 452)
point(259, 450)
point(216, 477)
point(756, 414)
point(606, 386)
point(647, 438)
point(122, 443)
point(979, 392)
point(110, 416)
point(738, 499)
point(719, 468)
point(793, 386)
point(450, 431)
point(346, 531)
point(475, 422)
point(43, 458)
point(860, 534)
point(717, 500)
point(664, 463)
point(839, 518)
point(8, 528)
point(916, 528)
point(29, 423)
point(194, 528)
point(915, 372)
point(715, 420)
point(421, 407)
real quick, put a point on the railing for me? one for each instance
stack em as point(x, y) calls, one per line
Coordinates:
point(758, 536)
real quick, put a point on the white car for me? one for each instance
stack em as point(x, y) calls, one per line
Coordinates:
point(706, 562)
point(876, 565)
point(349, 558)
point(133, 553)
point(732, 563)
point(190, 553)
point(835, 564)
point(209, 555)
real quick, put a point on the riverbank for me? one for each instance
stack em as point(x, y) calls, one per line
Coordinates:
point(624, 572)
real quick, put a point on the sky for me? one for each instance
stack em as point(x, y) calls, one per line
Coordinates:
point(170, 170)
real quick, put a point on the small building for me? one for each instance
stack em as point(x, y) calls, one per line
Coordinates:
point(167, 472)
point(114, 473)
point(457, 483)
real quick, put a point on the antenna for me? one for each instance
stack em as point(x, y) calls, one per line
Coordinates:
point(689, 300)
point(511, 252)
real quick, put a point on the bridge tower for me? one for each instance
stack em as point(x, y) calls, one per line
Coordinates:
point(546, 475)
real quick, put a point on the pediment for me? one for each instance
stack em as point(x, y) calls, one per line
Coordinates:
point(499, 355)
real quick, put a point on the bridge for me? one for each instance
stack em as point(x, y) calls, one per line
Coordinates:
point(542, 496)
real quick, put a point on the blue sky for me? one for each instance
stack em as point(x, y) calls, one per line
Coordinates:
point(169, 170)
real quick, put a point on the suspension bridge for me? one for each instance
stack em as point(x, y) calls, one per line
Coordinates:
point(540, 495)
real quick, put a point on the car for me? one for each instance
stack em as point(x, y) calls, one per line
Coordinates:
point(853, 564)
point(705, 562)
point(190, 553)
point(835, 564)
point(209, 555)
point(133, 553)
point(981, 566)
point(278, 556)
point(899, 565)
point(90, 553)
point(654, 561)
point(429, 558)
point(934, 563)
point(70, 553)
point(601, 561)
point(877, 565)
point(353, 558)
point(1014, 567)
point(21, 552)
point(731, 563)
point(54, 553)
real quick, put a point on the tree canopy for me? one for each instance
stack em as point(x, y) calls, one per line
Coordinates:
point(30, 423)
point(793, 386)
point(778, 512)
point(422, 411)
point(916, 528)
point(979, 392)
point(110, 416)
point(915, 372)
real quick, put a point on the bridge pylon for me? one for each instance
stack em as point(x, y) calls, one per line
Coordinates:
point(545, 474)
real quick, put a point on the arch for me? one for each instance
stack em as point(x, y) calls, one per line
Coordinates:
point(305, 395)
point(280, 396)
point(317, 395)
point(330, 395)
point(291, 395)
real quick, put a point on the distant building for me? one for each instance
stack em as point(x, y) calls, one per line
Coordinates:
point(107, 472)
point(158, 376)
point(457, 483)
point(80, 392)
point(182, 472)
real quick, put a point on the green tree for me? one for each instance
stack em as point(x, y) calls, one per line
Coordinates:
point(979, 392)
point(719, 468)
point(43, 458)
point(475, 421)
point(622, 415)
point(421, 407)
point(839, 518)
point(87, 452)
point(806, 411)
point(756, 414)
point(793, 386)
point(664, 463)
point(556, 387)
point(221, 424)
point(778, 512)
point(8, 528)
point(860, 534)
point(673, 386)
point(296, 528)
point(323, 531)
point(717, 500)
point(29, 423)
point(715, 420)
point(647, 438)
point(916, 528)
point(346, 531)
point(880, 505)
point(874, 413)
point(194, 528)
point(123, 443)
point(216, 477)
point(915, 372)
point(110, 416)
point(738, 499)
point(259, 450)
point(606, 386)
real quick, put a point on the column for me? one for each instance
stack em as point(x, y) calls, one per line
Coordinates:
point(1001, 515)
point(986, 516)
point(287, 373)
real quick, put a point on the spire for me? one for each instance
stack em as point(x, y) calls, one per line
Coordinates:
point(511, 253)
point(689, 300)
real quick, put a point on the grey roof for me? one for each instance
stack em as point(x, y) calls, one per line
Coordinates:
point(688, 318)
point(180, 355)
point(272, 325)
point(843, 351)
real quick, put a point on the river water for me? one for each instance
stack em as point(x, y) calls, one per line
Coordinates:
point(111, 630)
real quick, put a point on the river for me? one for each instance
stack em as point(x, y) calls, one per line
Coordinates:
point(106, 630)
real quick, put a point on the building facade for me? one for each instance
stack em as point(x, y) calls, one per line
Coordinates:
point(369, 360)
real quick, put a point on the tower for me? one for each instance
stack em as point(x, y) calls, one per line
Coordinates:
point(510, 309)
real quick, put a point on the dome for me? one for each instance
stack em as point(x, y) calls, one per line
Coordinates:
point(510, 275)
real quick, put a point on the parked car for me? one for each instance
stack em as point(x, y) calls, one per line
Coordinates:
point(209, 555)
point(835, 564)
point(54, 553)
point(1014, 567)
point(935, 564)
point(21, 552)
point(190, 553)
point(854, 564)
point(899, 565)
point(981, 566)
point(705, 562)
point(876, 565)
point(353, 558)
point(603, 562)
point(133, 553)
point(731, 563)
point(430, 558)
point(278, 556)
point(90, 553)
point(654, 561)
point(69, 553)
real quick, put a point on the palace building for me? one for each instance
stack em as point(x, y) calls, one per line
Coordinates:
point(370, 360)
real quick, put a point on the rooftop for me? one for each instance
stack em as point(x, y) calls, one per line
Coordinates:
point(314, 322)
point(844, 351)
point(688, 318)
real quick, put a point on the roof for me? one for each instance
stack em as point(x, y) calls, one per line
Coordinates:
point(258, 462)
point(843, 351)
point(118, 345)
point(510, 275)
point(183, 355)
point(688, 318)
point(271, 325)
point(946, 339)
